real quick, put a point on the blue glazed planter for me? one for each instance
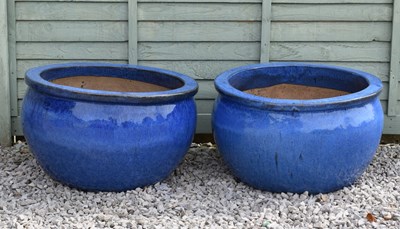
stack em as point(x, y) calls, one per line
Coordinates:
point(285, 145)
point(101, 140)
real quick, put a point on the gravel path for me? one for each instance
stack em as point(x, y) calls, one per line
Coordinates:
point(199, 194)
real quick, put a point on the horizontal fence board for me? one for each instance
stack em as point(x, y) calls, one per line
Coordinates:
point(331, 31)
point(202, 31)
point(199, 51)
point(330, 51)
point(250, 31)
point(72, 31)
point(71, 0)
point(24, 65)
point(199, 31)
point(203, 124)
point(71, 11)
point(197, 69)
point(207, 1)
point(273, 1)
point(380, 70)
point(204, 106)
point(280, 51)
point(331, 12)
point(198, 11)
point(73, 50)
point(332, 1)
point(391, 125)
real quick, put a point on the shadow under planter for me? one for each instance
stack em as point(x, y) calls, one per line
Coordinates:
point(295, 127)
point(108, 127)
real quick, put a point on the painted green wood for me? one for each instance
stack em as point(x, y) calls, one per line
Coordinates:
point(195, 31)
point(391, 125)
point(203, 124)
point(5, 113)
point(199, 11)
point(73, 50)
point(280, 51)
point(64, 11)
point(12, 56)
point(133, 32)
point(331, 31)
point(252, 12)
point(202, 31)
point(394, 61)
point(72, 0)
point(265, 31)
point(24, 65)
point(330, 51)
point(274, 1)
point(72, 31)
point(206, 1)
point(199, 51)
point(331, 12)
point(379, 69)
point(198, 69)
point(204, 106)
point(199, 31)
point(332, 1)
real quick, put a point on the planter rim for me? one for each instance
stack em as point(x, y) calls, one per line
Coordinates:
point(224, 87)
point(34, 80)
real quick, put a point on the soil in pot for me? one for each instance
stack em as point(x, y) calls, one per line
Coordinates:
point(294, 91)
point(109, 84)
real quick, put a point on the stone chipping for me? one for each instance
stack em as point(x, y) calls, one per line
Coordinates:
point(200, 193)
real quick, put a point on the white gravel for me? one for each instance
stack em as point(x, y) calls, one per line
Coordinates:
point(201, 193)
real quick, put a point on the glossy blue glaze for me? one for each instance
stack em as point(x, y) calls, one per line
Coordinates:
point(108, 141)
point(283, 145)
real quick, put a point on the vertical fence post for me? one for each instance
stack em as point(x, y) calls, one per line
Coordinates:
point(265, 30)
point(394, 75)
point(5, 113)
point(132, 31)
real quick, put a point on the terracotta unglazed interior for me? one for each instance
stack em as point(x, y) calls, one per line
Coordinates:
point(109, 84)
point(294, 91)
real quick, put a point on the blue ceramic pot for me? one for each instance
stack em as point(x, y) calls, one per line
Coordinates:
point(285, 145)
point(107, 140)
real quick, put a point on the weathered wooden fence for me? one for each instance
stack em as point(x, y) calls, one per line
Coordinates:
point(198, 38)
